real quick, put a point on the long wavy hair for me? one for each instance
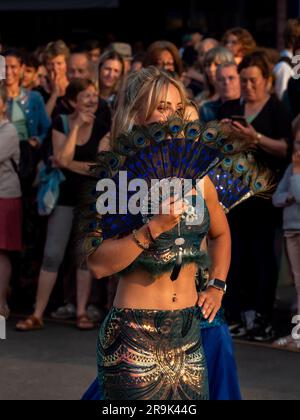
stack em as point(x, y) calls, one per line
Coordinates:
point(139, 98)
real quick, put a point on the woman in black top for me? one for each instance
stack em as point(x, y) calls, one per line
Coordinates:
point(254, 271)
point(76, 142)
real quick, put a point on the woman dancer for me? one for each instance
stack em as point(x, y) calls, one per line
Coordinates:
point(151, 334)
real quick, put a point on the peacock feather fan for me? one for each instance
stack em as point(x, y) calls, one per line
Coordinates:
point(173, 149)
point(239, 178)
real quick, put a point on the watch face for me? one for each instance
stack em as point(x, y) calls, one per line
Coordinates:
point(220, 284)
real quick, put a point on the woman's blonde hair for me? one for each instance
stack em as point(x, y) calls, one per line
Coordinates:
point(140, 97)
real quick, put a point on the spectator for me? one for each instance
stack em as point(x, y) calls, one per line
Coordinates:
point(292, 97)
point(10, 201)
point(30, 72)
point(74, 154)
point(138, 61)
point(80, 66)
point(254, 272)
point(164, 55)
point(287, 197)
point(240, 43)
point(283, 71)
point(125, 50)
point(229, 89)
point(111, 72)
point(212, 60)
point(27, 112)
point(94, 49)
point(56, 56)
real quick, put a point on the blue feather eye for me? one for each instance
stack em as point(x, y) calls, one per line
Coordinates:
point(175, 126)
point(229, 148)
point(139, 140)
point(210, 135)
point(192, 130)
point(114, 163)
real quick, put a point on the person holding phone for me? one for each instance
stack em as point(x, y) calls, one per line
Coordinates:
point(228, 87)
point(254, 270)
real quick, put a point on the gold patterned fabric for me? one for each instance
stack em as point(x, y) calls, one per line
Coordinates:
point(152, 355)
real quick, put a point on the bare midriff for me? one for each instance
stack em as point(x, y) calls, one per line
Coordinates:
point(141, 291)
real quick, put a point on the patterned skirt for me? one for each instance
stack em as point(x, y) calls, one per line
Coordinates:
point(152, 355)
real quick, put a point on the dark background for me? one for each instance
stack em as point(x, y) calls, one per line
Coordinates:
point(140, 20)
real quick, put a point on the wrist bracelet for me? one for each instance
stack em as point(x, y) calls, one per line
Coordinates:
point(152, 240)
point(144, 247)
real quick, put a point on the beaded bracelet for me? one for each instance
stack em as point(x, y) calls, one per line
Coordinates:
point(144, 247)
point(152, 240)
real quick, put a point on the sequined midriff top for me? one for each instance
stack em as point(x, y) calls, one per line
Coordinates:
point(161, 257)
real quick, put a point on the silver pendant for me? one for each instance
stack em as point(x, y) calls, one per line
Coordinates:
point(180, 242)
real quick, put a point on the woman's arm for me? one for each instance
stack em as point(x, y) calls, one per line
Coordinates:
point(278, 148)
point(282, 197)
point(115, 255)
point(219, 251)
point(219, 235)
point(64, 146)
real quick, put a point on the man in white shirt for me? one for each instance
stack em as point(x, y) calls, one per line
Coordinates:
point(283, 71)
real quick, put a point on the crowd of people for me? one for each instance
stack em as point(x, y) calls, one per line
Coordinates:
point(56, 109)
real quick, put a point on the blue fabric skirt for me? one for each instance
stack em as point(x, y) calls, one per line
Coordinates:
point(222, 369)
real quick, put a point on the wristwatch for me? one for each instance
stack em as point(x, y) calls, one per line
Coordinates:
point(218, 284)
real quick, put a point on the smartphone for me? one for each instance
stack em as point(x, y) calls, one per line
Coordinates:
point(240, 119)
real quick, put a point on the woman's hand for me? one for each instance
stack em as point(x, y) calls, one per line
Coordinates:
point(58, 84)
point(211, 302)
point(296, 163)
point(248, 131)
point(83, 118)
point(165, 222)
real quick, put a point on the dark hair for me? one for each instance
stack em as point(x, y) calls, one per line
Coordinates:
point(91, 44)
point(291, 33)
point(77, 86)
point(258, 59)
point(14, 53)
point(32, 61)
point(244, 37)
point(157, 48)
point(112, 55)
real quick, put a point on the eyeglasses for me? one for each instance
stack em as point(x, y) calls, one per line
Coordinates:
point(166, 63)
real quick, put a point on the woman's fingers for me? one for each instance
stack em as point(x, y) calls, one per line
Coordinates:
point(213, 315)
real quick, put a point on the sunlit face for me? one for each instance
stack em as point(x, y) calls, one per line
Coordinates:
point(29, 77)
point(87, 100)
point(228, 83)
point(169, 103)
point(14, 71)
point(165, 61)
point(95, 55)
point(254, 85)
point(297, 142)
point(234, 45)
point(79, 67)
point(58, 65)
point(110, 73)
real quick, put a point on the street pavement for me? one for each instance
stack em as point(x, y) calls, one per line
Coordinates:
point(59, 363)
